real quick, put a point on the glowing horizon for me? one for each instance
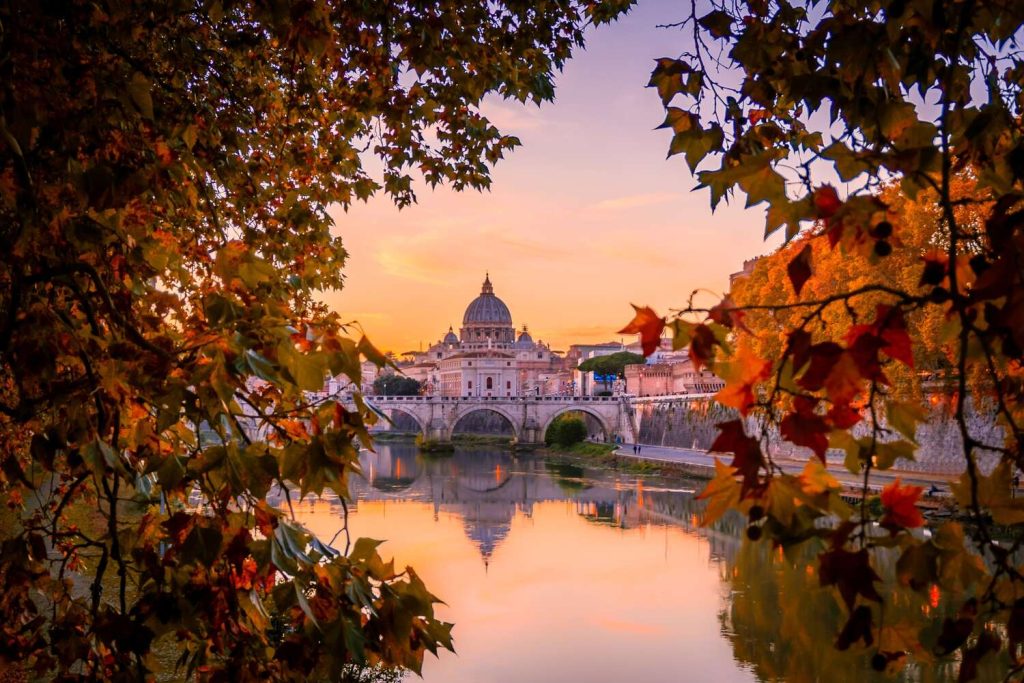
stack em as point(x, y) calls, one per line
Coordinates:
point(582, 220)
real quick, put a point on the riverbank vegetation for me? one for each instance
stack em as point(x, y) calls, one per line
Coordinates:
point(566, 430)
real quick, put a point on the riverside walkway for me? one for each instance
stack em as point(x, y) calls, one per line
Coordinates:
point(701, 462)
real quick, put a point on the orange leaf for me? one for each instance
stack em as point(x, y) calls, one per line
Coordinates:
point(900, 504)
point(741, 375)
point(649, 325)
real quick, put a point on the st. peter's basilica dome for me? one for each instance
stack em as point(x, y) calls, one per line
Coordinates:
point(487, 308)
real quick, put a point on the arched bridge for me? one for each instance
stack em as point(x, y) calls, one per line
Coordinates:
point(530, 416)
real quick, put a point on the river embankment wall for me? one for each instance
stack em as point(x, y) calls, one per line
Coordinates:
point(690, 422)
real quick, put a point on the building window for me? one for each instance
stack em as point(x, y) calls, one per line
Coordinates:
point(490, 383)
point(508, 385)
point(540, 355)
point(470, 363)
point(471, 384)
point(509, 363)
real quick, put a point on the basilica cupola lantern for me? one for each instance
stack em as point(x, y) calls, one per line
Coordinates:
point(487, 322)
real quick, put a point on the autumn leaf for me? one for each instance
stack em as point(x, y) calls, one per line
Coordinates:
point(857, 628)
point(649, 325)
point(806, 429)
point(722, 493)
point(702, 346)
point(900, 503)
point(826, 201)
point(894, 334)
point(851, 573)
point(741, 375)
point(748, 460)
point(994, 494)
point(799, 268)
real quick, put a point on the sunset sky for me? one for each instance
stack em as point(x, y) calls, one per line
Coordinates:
point(585, 218)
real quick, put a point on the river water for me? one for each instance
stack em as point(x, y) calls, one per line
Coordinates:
point(553, 573)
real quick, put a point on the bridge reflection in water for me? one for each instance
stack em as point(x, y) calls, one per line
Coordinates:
point(577, 574)
point(487, 487)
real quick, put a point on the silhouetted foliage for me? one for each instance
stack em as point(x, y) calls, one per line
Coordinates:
point(167, 177)
point(391, 384)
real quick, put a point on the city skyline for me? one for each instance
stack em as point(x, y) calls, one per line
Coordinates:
point(585, 218)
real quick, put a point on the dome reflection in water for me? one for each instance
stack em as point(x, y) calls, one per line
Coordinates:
point(552, 571)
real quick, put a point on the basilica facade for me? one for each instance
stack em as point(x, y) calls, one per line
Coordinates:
point(486, 358)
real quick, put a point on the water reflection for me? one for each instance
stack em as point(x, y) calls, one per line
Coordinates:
point(554, 572)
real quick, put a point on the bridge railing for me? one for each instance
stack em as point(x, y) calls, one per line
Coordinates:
point(513, 399)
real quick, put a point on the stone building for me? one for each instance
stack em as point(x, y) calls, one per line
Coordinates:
point(487, 357)
point(664, 379)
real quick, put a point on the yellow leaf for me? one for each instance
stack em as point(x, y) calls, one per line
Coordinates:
point(721, 493)
point(993, 494)
point(783, 499)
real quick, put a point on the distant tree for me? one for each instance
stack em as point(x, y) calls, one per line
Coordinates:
point(612, 364)
point(566, 430)
point(391, 384)
point(167, 177)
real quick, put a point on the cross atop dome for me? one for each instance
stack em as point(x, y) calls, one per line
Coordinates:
point(487, 288)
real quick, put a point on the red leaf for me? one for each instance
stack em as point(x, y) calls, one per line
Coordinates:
point(894, 334)
point(900, 503)
point(799, 348)
point(806, 430)
point(702, 346)
point(826, 201)
point(864, 346)
point(178, 526)
point(649, 325)
point(843, 417)
point(726, 314)
point(748, 459)
point(823, 358)
point(799, 269)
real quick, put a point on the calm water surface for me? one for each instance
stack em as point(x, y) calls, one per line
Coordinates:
point(555, 573)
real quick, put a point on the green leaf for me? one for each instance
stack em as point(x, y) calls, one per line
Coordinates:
point(261, 366)
point(887, 453)
point(682, 333)
point(764, 185)
point(848, 164)
point(904, 416)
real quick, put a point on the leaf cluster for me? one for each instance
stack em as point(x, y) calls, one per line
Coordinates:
point(167, 177)
point(910, 274)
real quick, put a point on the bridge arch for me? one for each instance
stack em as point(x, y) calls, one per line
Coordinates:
point(607, 428)
point(392, 412)
point(462, 414)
